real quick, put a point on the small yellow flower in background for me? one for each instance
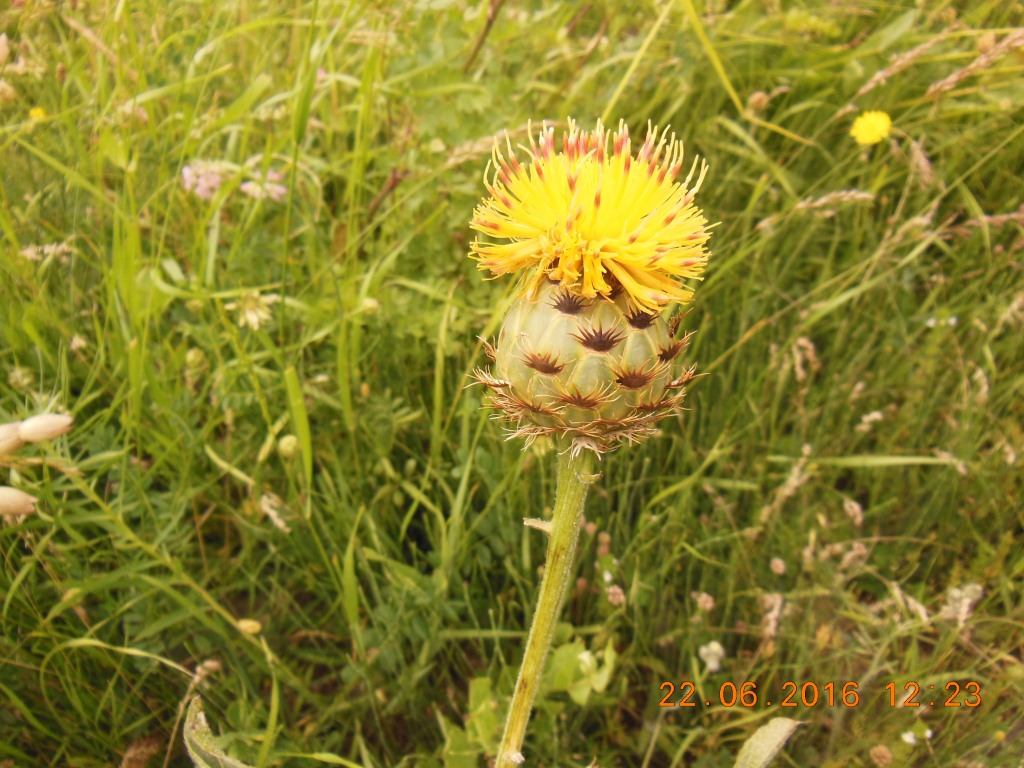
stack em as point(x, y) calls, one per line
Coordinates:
point(595, 215)
point(36, 113)
point(871, 127)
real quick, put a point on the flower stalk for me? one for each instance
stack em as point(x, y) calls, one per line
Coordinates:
point(605, 239)
point(575, 475)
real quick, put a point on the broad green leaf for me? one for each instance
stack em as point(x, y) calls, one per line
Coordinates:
point(485, 720)
point(604, 675)
point(761, 748)
point(459, 750)
point(200, 742)
point(563, 667)
point(579, 691)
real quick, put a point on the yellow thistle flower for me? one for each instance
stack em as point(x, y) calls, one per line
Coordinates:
point(36, 113)
point(595, 217)
point(871, 127)
point(605, 239)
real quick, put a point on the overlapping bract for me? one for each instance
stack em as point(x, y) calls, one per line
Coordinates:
point(590, 371)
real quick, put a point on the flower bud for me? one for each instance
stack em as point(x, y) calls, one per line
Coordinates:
point(45, 426)
point(195, 359)
point(15, 503)
point(249, 626)
point(288, 447)
point(9, 438)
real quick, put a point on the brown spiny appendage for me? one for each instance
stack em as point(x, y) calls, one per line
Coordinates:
point(673, 326)
point(489, 349)
point(641, 319)
point(569, 303)
point(665, 405)
point(489, 380)
point(543, 363)
point(668, 354)
point(598, 339)
point(635, 378)
point(532, 407)
point(683, 379)
point(578, 400)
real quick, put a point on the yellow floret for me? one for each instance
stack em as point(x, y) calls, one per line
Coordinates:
point(594, 216)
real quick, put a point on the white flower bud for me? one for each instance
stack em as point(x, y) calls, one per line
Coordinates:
point(712, 654)
point(45, 426)
point(10, 441)
point(15, 503)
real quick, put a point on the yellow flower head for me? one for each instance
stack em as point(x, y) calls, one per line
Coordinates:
point(36, 113)
point(871, 127)
point(595, 216)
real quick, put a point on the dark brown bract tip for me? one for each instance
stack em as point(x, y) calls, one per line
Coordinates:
point(673, 326)
point(578, 400)
point(489, 349)
point(641, 319)
point(569, 303)
point(684, 378)
point(490, 381)
point(635, 378)
point(543, 363)
point(666, 403)
point(669, 353)
point(518, 407)
point(598, 339)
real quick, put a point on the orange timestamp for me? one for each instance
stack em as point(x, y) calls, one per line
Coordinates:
point(810, 694)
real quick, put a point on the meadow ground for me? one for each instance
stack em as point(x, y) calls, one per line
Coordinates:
point(234, 248)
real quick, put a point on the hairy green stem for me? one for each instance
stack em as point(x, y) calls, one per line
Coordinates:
point(574, 479)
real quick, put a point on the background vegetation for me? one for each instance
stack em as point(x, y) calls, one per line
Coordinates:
point(234, 240)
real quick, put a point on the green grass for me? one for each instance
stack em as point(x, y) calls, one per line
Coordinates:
point(393, 608)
